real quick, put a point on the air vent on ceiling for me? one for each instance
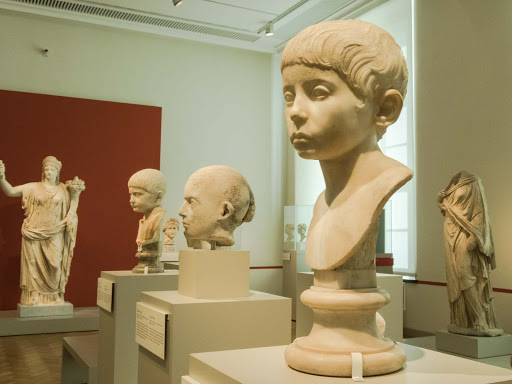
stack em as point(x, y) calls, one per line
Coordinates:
point(164, 22)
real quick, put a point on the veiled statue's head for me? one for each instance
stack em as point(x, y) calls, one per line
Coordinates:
point(51, 169)
point(147, 189)
point(218, 199)
point(344, 82)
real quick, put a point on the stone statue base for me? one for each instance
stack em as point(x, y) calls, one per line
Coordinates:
point(149, 260)
point(168, 248)
point(219, 274)
point(473, 346)
point(45, 310)
point(344, 322)
point(475, 332)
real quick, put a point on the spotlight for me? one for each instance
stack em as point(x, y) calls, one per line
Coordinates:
point(177, 2)
point(269, 30)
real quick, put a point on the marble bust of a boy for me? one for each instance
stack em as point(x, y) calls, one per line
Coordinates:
point(218, 199)
point(147, 189)
point(344, 83)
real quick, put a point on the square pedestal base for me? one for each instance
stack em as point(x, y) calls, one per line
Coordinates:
point(474, 346)
point(267, 365)
point(203, 325)
point(117, 352)
point(219, 274)
point(64, 309)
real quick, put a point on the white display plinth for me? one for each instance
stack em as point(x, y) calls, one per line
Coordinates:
point(474, 346)
point(267, 365)
point(202, 325)
point(117, 360)
point(169, 256)
point(392, 313)
point(63, 309)
point(206, 274)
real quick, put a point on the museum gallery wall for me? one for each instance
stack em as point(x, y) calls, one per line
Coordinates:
point(94, 140)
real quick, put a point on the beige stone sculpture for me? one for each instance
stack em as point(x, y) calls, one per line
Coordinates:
point(49, 232)
point(218, 199)
point(469, 256)
point(302, 230)
point(289, 230)
point(170, 227)
point(147, 189)
point(344, 84)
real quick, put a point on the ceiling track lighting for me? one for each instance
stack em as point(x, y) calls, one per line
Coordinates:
point(269, 30)
point(177, 2)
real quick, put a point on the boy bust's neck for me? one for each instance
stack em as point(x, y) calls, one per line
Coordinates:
point(354, 169)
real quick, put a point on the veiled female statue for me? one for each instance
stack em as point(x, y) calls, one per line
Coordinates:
point(469, 256)
point(49, 232)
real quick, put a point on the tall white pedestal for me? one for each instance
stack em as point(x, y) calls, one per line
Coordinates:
point(267, 366)
point(117, 360)
point(203, 325)
point(392, 313)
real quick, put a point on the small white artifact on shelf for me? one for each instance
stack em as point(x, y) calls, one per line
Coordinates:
point(344, 84)
point(302, 230)
point(147, 189)
point(49, 233)
point(169, 228)
point(218, 199)
point(469, 256)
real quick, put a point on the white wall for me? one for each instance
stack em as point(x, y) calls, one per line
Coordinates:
point(463, 83)
point(216, 104)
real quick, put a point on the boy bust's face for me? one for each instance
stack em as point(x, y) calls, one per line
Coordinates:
point(325, 118)
point(143, 201)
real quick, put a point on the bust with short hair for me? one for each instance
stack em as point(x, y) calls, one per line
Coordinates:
point(147, 189)
point(344, 82)
point(218, 199)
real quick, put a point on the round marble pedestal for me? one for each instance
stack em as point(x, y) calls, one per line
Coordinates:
point(344, 322)
point(149, 259)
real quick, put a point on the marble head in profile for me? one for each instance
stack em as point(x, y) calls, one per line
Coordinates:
point(217, 199)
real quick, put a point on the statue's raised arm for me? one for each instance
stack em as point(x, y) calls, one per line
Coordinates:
point(6, 187)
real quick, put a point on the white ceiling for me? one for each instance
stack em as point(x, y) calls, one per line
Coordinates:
point(227, 22)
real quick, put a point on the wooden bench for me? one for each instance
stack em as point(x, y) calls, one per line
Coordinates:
point(80, 359)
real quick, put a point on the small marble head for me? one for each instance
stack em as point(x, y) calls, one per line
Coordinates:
point(170, 227)
point(51, 169)
point(289, 230)
point(147, 189)
point(363, 55)
point(302, 229)
point(218, 199)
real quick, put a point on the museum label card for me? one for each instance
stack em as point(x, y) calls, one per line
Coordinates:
point(287, 256)
point(104, 298)
point(150, 329)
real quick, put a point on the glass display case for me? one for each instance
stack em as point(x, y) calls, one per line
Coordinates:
point(296, 225)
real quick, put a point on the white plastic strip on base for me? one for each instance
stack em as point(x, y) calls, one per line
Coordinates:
point(357, 367)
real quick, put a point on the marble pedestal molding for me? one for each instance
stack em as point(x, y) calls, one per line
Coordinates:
point(344, 322)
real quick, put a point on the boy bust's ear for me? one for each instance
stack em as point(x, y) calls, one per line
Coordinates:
point(159, 195)
point(389, 107)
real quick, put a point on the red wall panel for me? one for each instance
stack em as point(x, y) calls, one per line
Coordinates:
point(103, 143)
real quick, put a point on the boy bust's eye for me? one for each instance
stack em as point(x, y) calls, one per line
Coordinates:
point(320, 92)
point(289, 97)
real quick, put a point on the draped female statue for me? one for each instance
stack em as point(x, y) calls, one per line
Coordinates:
point(469, 256)
point(49, 232)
